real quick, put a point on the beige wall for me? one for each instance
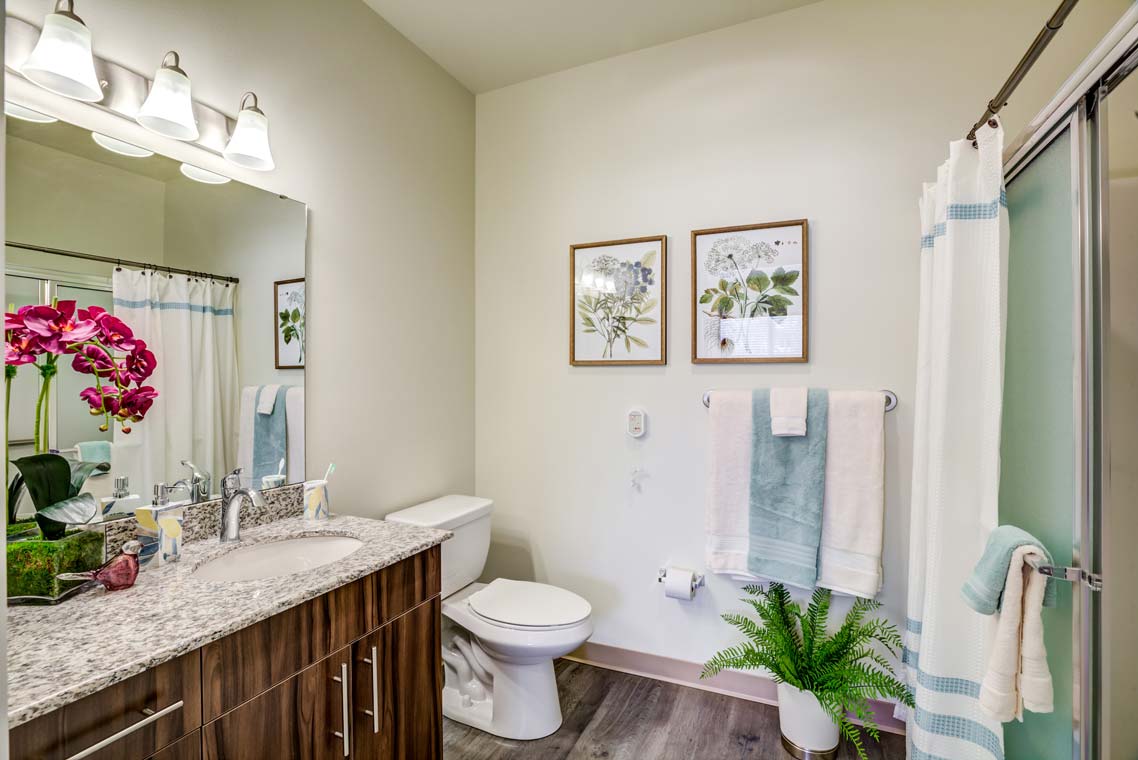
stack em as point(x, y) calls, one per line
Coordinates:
point(378, 140)
point(836, 112)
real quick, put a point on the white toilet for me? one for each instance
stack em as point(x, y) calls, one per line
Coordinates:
point(499, 638)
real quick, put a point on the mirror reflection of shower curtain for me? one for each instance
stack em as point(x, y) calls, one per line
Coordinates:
point(189, 325)
point(956, 434)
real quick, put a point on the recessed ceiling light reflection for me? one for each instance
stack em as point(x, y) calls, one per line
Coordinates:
point(197, 174)
point(17, 111)
point(120, 147)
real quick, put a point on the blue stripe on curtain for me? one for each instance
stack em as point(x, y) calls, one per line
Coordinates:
point(173, 306)
point(913, 626)
point(941, 684)
point(965, 211)
point(960, 728)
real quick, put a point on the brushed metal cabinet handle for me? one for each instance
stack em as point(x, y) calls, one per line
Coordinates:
point(342, 679)
point(150, 718)
point(374, 711)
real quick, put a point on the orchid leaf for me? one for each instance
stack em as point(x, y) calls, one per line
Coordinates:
point(80, 471)
point(47, 478)
point(76, 510)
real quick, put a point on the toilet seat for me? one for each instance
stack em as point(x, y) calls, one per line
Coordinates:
point(523, 605)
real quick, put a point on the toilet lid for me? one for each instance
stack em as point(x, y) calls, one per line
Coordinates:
point(528, 604)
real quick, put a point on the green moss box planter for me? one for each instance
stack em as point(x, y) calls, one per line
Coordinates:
point(33, 563)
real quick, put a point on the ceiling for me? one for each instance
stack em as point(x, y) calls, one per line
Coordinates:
point(486, 44)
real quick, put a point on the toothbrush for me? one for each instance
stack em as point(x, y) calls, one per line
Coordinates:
point(280, 467)
point(331, 469)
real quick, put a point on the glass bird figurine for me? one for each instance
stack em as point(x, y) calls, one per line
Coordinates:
point(117, 573)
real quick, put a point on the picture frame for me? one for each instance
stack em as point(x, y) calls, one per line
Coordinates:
point(289, 323)
point(618, 302)
point(750, 293)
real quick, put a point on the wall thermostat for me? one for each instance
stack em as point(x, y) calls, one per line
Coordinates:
point(637, 422)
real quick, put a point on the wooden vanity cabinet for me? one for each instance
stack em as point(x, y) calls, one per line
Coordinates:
point(354, 673)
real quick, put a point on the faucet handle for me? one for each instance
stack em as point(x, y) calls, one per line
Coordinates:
point(231, 483)
point(161, 495)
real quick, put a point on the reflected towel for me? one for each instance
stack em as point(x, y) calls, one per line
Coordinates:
point(787, 485)
point(788, 411)
point(94, 451)
point(267, 399)
point(270, 434)
point(853, 510)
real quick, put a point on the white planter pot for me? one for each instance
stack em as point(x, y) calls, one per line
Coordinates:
point(808, 732)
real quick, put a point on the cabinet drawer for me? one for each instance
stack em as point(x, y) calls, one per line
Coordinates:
point(409, 583)
point(307, 717)
point(135, 718)
point(187, 748)
point(246, 663)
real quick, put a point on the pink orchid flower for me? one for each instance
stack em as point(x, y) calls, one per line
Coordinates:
point(57, 329)
point(140, 363)
point(107, 403)
point(91, 359)
point(136, 403)
point(21, 348)
point(115, 332)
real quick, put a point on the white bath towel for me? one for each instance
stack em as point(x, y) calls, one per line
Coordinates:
point(853, 508)
point(727, 520)
point(268, 399)
point(1018, 676)
point(788, 411)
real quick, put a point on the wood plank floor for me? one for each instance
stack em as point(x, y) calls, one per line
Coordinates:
point(616, 716)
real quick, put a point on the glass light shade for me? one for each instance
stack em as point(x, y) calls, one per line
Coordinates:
point(62, 62)
point(249, 145)
point(197, 174)
point(168, 109)
point(17, 111)
point(118, 146)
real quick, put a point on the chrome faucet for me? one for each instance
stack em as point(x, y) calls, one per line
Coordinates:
point(197, 485)
point(232, 494)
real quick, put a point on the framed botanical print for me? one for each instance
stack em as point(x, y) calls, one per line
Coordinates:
point(288, 323)
point(750, 293)
point(617, 302)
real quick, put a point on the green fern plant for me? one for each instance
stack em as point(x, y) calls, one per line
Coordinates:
point(843, 670)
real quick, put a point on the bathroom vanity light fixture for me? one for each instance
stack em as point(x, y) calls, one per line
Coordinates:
point(168, 110)
point(23, 113)
point(118, 146)
point(197, 174)
point(61, 61)
point(248, 147)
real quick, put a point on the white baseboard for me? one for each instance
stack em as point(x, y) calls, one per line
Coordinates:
point(742, 685)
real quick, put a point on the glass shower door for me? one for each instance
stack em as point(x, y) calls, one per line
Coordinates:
point(1039, 467)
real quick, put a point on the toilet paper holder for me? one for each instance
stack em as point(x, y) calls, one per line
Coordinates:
point(697, 580)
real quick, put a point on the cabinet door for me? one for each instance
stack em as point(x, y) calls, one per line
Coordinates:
point(307, 717)
point(397, 689)
point(187, 748)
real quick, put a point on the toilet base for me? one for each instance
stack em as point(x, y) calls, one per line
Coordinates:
point(520, 702)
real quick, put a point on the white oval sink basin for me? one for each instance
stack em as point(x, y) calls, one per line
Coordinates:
point(293, 555)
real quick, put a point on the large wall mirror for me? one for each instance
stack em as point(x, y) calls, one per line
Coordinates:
point(196, 285)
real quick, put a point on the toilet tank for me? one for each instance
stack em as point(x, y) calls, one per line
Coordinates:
point(468, 517)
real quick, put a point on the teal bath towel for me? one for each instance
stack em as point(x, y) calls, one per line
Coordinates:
point(984, 589)
point(270, 437)
point(788, 479)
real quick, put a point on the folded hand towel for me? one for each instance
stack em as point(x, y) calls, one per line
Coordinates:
point(787, 483)
point(94, 451)
point(267, 399)
point(788, 411)
point(984, 588)
point(1018, 675)
point(853, 509)
point(728, 482)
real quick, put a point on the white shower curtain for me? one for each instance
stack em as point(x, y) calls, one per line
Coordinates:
point(188, 324)
point(956, 449)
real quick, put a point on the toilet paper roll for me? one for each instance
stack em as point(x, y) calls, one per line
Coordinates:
point(679, 584)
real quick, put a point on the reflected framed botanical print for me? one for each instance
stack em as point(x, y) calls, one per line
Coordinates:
point(750, 293)
point(617, 302)
point(289, 323)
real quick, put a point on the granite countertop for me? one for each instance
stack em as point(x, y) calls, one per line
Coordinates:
point(57, 655)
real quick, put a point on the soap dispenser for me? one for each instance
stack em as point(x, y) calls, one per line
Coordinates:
point(161, 521)
point(121, 500)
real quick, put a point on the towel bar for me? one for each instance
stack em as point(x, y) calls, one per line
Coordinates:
point(890, 400)
point(1093, 581)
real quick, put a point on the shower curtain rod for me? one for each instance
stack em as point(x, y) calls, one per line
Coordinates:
point(120, 262)
point(1029, 58)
